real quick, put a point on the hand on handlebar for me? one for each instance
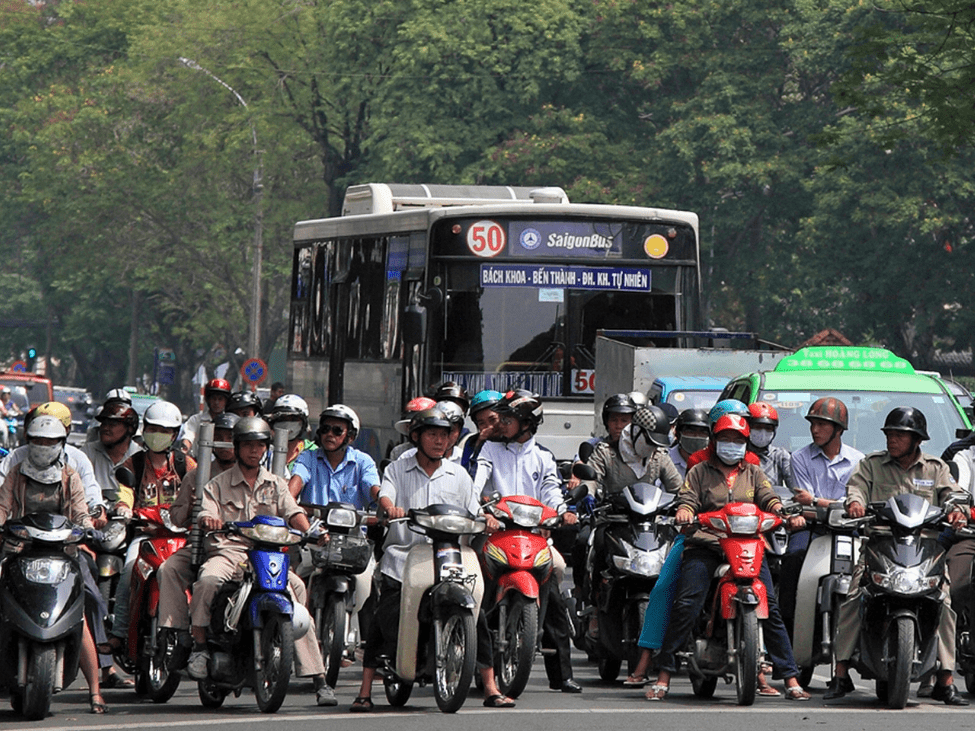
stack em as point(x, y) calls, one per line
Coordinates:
point(856, 510)
point(957, 519)
point(684, 516)
point(569, 518)
point(395, 512)
point(795, 522)
point(207, 523)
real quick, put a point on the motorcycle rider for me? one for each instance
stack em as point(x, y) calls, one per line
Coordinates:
point(290, 412)
point(487, 421)
point(775, 462)
point(417, 481)
point(692, 432)
point(724, 477)
point(723, 407)
point(181, 511)
point(216, 396)
point(901, 468)
point(420, 403)
point(245, 490)
point(517, 465)
point(244, 404)
point(117, 424)
point(43, 482)
point(455, 444)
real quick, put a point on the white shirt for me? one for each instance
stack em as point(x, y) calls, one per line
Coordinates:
point(104, 468)
point(191, 428)
point(518, 469)
point(77, 460)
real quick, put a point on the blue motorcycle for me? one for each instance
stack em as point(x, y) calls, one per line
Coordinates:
point(254, 622)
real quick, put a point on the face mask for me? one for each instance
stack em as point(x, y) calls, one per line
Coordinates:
point(42, 456)
point(729, 452)
point(761, 438)
point(294, 430)
point(693, 444)
point(642, 445)
point(158, 441)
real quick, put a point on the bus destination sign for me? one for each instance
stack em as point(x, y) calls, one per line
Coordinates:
point(618, 279)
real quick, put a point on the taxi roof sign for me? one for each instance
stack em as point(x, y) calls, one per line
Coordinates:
point(875, 360)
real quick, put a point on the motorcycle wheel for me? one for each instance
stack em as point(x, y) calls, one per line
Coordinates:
point(37, 693)
point(746, 655)
point(397, 691)
point(704, 685)
point(331, 637)
point(211, 696)
point(456, 637)
point(880, 689)
point(513, 665)
point(274, 674)
point(900, 650)
point(151, 675)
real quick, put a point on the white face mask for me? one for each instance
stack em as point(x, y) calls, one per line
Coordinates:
point(294, 429)
point(42, 456)
point(158, 441)
point(761, 438)
point(642, 446)
point(729, 452)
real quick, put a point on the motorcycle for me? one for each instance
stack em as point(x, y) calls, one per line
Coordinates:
point(903, 577)
point(42, 608)
point(255, 623)
point(636, 548)
point(109, 560)
point(517, 562)
point(147, 647)
point(332, 597)
point(824, 584)
point(442, 590)
point(727, 638)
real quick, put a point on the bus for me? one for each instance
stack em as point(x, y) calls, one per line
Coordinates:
point(488, 286)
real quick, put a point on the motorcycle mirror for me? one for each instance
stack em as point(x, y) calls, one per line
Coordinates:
point(953, 469)
point(577, 493)
point(125, 476)
point(583, 471)
point(585, 451)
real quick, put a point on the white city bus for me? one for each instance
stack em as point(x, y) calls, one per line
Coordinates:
point(491, 287)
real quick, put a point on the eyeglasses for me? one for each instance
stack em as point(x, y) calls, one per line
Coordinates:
point(335, 431)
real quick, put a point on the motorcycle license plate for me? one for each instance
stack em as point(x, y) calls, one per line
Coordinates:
point(844, 547)
point(450, 570)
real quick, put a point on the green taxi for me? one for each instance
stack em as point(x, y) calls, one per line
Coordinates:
point(870, 381)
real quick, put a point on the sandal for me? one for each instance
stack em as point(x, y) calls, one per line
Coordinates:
point(796, 693)
point(97, 704)
point(498, 701)
point(657, 692)
point(636, 681)
point(114, 680)
point(110, 646)
point(768, 691)
point(362, 704)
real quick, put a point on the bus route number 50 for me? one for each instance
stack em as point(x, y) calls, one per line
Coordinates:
point(486, 239)
point(583, 381)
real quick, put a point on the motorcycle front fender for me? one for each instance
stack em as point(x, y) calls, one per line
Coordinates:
point(450, 593)
point(109, 565)
point(336, 584)
point(268, 602)
point(521, 582)
point(747, 594)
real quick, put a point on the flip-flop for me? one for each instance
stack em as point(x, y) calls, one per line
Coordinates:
point(657, 692)
point(98, 706)
point(768, 691)
point(636, 681)
point(498, 701)
point(362, 704)
point(796, 693)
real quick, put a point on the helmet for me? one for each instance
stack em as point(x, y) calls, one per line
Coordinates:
point(523, 405)
point(343, 412)
point(907, 418)
point(225, 420)
point(732, 422)
point(619, 403)
point(453, 412)
point(830, 409)
point(46, 426)
point(485, 400)
point(761, 412)
point(4, 389)
point(639, 398)
point(693, 417)
point(727, 406)
point(115, 409)
point(451, 391)
point(216, 387)
point(51, 408)
point(164, 414)
point(652, 422)
point(244, 400)
point(670, 411)
point(427, 418)
point(252, 429)
point(289, 405)
point(420, 403)
point(118, 394)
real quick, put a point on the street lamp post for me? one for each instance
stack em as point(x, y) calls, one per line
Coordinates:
point(254, 340)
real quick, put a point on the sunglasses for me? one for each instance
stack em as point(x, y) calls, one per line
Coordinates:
point(335, 431)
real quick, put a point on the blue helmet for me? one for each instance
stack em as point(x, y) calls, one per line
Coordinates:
point(727, 406)
point(485, 400)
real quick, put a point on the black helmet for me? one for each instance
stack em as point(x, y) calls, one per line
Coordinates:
point(252, 429)
point(907, 418)
point(652, 422)
point(451, 391)
point(693, 417)
point(619, 403)
point(244, 400)
point(523, 405)
point(671, 411)
point(427, 418)
point(225, 420)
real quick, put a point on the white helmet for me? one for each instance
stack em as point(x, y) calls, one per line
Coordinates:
point(119, 394)
point(453, 411)
point(164, 414)
point(290, 404)
point(46, 426)
point(639, 398)
point(343, 412)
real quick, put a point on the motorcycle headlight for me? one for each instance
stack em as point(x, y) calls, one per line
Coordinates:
point(275, 534)
point(743, 524)
point(341, 518)
point(45, 570)
point(914, 580)
point(641, 563)
point(526, 516)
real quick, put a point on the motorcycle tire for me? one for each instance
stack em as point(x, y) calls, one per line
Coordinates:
point(36, 698)
point(331, 637)
point(211, 696)
point(704, 685)
point(455, 636)
point(900, 650)
point(273, 675)
point(152, 677)
point(880, 689)
point(513, 663)
point(970, 683)
point(609, 668)
point(397, 691)
point(746, 655)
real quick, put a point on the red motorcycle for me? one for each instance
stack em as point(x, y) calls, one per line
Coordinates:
point(147, 647)
point(727, 638)
point(517, 562)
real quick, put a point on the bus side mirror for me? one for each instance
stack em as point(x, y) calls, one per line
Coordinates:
point(414, 325)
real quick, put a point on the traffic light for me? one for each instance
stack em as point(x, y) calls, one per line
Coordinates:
point(31, 359)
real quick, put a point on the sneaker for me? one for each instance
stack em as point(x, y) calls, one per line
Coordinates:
point(325, 696)
point(197, 667)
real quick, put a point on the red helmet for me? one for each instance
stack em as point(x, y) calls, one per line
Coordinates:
point(732, 422)
point(420, 403)
point(761, 412)
point(216, 386)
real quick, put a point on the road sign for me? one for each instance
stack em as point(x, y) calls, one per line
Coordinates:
point(19, 366)
point(254, 371)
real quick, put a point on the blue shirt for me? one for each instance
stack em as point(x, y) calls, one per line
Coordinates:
point(351, 482)
point(824, 478)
